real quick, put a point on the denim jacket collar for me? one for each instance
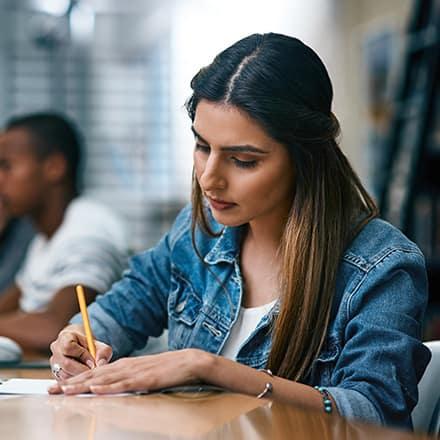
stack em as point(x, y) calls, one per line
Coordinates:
point(226, 247)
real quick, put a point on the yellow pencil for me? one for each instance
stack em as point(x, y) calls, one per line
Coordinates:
point(85, 318)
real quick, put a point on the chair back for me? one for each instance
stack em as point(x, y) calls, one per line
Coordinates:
point(426, 414)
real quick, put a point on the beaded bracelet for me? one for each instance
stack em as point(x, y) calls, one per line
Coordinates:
point(326, 397)
point(268, 387)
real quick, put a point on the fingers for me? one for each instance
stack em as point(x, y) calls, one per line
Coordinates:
point(131, 374)
point(71, 354)
point(103, 354)
point(55, 389)
point(112, 388)
point(58, 372)
point(74, 345)
point(111, 378)
point(63, 379)
point(85, 382)
point(69, 367)
point(81, 388)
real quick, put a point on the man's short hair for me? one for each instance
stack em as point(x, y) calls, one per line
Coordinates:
point(53, 133)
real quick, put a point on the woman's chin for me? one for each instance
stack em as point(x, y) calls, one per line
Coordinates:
point(226, 220)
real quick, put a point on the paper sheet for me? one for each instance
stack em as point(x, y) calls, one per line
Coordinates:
point(26, 386)
point(38, 387)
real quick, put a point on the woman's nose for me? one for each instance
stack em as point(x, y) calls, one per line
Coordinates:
point(212, 176)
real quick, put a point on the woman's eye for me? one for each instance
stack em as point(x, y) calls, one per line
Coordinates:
point(203, 148)
point(244, 163)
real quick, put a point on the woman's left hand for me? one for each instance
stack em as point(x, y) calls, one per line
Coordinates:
point(142, 373)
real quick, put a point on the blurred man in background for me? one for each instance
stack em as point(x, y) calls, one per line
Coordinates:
point(78, 240)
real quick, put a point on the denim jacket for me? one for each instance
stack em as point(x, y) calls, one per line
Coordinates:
point(373, 357)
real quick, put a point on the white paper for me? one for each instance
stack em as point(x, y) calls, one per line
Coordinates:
point(38, 387)
point(26, 386)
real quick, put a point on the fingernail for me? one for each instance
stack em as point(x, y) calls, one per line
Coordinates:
point(67, 388)
point(90, 364)
point(101, 362)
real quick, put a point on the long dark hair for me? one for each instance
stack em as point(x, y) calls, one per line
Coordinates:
point(283, 85)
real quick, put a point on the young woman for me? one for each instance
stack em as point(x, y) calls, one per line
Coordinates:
point(278, 277)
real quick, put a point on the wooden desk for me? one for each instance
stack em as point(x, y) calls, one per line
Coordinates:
point(171, 416)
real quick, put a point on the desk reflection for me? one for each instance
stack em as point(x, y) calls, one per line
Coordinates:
point(170, 415)
point(175, 416)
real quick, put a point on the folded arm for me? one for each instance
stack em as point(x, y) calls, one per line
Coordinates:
point(36, 330)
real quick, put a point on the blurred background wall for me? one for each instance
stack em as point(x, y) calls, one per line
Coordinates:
point(121, 70)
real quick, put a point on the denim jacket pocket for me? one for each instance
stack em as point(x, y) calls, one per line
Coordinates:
point(324, 365)
point(184, 307)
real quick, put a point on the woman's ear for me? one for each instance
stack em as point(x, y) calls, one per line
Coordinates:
point(55, 167)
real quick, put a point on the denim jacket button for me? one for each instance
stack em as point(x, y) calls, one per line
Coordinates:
point(180, 306)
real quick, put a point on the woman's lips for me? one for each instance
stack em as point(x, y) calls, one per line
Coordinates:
point(220, 204)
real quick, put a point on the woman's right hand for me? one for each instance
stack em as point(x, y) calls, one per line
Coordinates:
point(70, 355)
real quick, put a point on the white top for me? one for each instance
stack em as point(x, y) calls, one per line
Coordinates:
point(89, 248)
point(246, 323)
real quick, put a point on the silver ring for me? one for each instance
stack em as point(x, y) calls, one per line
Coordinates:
point(56, 370)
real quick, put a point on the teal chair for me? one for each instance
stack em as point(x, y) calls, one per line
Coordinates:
point(426, 414)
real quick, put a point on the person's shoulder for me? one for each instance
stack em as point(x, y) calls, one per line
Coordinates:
point(377, 240)
point(89, 206)
point(182, 224)
point(89, 217)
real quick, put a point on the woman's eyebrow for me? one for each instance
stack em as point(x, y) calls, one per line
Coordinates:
point(197, 135)
point(236, 148)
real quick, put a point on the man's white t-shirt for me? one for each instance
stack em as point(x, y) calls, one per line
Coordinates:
point(89, 248)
